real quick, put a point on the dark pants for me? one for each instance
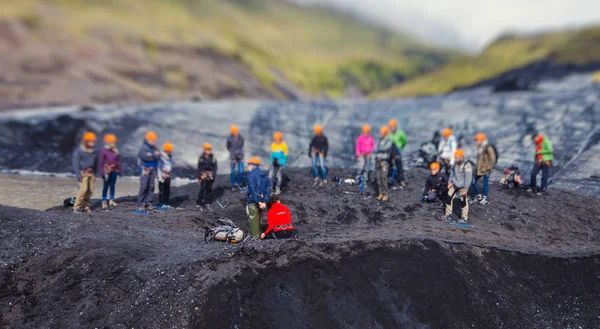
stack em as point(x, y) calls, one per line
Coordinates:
point(205, 188)
point(109, 182)
point(485, 179)
point(164, 191)
point(146, 188)
point(399, 174)
point(545, 168)
point(237, 172)
point(281, 235)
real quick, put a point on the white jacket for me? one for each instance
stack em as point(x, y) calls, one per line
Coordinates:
point(165, 167)
point(447, 148)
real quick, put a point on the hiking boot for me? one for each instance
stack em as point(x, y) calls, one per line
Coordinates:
point(402, 184)
point(112, 204)
point(484, 201)
point(277, 191)
point(479, 197)
point(87, 210)
point(165, 207)
point(104, 205)
point(531, 190)
point(463, 220)
point(385, 198)
point(380, 197)
point(234, 188)
point(315, 182)
point(471, 200)
point(324, 181)
point(76, 211)
point(446, 218)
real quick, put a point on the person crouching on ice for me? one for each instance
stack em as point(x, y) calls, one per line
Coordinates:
point(149, 156)
point(280, 221)
point(109, 167)
point(207, 172)
point(317, 151)
point(165, 168)
point(461, 177)
point(365, 144)
point(279, 155)
point(85, 161)
point(435, 185)
point(383, 158)
point(258, 194)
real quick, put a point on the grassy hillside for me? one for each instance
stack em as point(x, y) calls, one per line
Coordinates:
point(505, 54)
point(311, 48)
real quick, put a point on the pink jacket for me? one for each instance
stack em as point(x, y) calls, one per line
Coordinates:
point(364, 145)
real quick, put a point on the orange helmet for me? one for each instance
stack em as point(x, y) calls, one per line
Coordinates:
point(459, 153)
point(393, 123)
point(278, 136)
point(366, 129)
point(89, 136)
point(480, 137)
point(254, 161)
point(384, 130)
point(447, 132)
point(207, 146)
point(318, 129)
point(168, 147)
point(434, 165)
point(110, 138)
point(234, 129)
point(151, 136)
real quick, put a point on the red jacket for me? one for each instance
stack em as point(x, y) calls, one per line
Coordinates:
point(279, 218)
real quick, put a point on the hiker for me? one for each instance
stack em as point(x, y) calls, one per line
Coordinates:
point(279, 219)
point(461, 177)
point(317, 151)
point(544, 155)
point(435, 184)
point(85, 162)
point(148, 157)
point(258, 194)
point(446, 150)
point(109, 168)
point(365, 144)
point(398, 137)
point(512, 178)
point(486, 160)
point(279, 155)
point(235, 146)
point(165, 169)
point(383, 158)
point(207, 172)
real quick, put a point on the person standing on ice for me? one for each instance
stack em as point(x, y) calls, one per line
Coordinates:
point(461, 178)
point(165, 168)
point(148, 158)
point(85, 162)
point(235, 146)
point(486, 160)
point(109, 168)
point(258, 194)
point(207, 172)
point(544, 155)
point(365, 144)
point(383, 158)
point(446, 150)
point(317, 151)
point(398, 137)
point(279, 156)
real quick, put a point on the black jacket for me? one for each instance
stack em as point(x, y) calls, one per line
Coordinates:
point(438, 183)
point(319, 142)
point(207, 164)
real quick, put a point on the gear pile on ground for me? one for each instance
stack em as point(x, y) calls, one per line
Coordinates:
point(527, 262)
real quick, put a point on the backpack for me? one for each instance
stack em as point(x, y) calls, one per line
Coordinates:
point(227, 232)
point(495, 152)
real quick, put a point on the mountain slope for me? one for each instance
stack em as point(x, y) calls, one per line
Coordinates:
point(159, 49)
point(506, 54)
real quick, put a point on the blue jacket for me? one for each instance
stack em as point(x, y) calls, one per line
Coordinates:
point(146, 160)
point(259, 186)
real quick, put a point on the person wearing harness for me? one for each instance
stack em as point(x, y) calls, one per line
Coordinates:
point(383, 158)
point(165, 168)
point(486, 159)
point(461, 177)
point(148, 157)
point(235, 146)
point(258, 194)
point(544, 155)
point(446, 150)
point(398, 137)
point(365, 144)
point(85, 162)
point(207, 172)
point(279, 156)
point(109, 168)
point(317, 151)
point(279, 221)
point(435, 184)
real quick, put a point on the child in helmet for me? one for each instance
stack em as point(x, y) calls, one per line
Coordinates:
point(317, 152)
point(435, 185)
point(365, 144)
point(235, 146)
point(109, 167)
point(149, 156)
point(165, 169)
point(85, 162)
point(207, 172)
point(279, 156)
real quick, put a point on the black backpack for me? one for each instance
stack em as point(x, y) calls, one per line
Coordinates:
point(495, 152)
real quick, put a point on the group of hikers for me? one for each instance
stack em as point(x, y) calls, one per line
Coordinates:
point(451, 180)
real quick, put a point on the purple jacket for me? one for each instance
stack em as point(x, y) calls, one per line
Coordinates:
point(109, 160)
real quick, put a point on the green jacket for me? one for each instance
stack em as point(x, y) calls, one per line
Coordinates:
point(546, 151)
point(398, 137)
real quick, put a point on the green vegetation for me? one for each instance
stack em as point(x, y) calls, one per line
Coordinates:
point(507, 53)
point(317, 50)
